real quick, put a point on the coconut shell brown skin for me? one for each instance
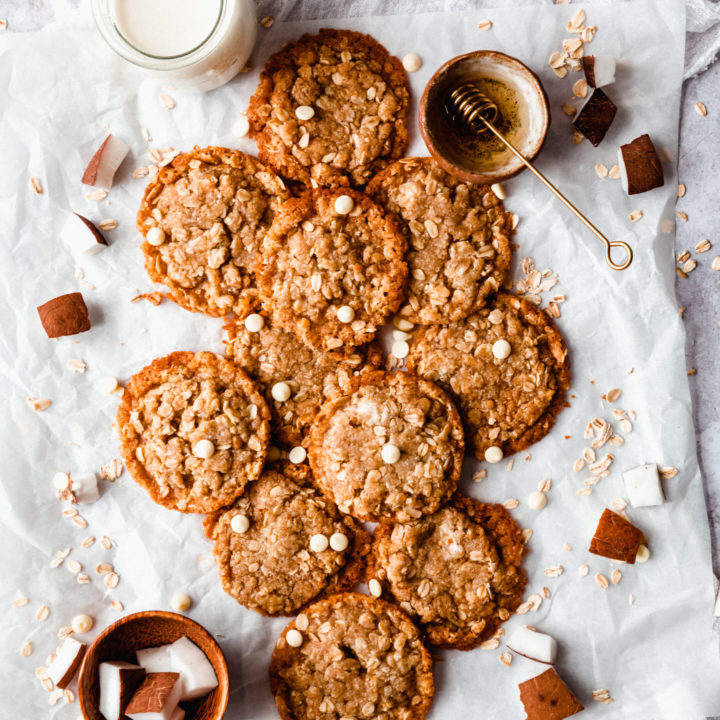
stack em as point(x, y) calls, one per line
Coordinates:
point(547, 697)
point(643, 168)
point(616, 538)
point(595, 117)
point(64, 315)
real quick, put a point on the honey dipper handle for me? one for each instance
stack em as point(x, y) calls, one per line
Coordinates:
point(609, 246)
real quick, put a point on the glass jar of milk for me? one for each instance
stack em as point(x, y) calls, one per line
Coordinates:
point(186, 44)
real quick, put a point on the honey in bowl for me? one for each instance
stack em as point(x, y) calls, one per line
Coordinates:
point(523, 116)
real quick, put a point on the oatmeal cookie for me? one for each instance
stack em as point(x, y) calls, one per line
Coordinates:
point(390, 446)
point(273, 357)
point(351, 656)
point(456, 572)
point(283, 545)
point(331, 108)
point(204, 217)
point(509, 402)
point(194, 431)
point(332, 276)
point(458, 237)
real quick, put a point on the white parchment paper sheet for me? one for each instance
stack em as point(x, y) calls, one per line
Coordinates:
point(61, 89)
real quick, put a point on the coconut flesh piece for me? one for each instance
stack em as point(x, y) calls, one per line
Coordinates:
point(81, 235)
point(66, 663)
point(534, 645)
point(197, 676)
point(157, 697)
point(84, 487)
point(599, 70)
point(118, 682)
point(105, 162)
point(640, 166)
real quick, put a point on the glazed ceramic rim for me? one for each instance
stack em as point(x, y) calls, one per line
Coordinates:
point(182, 620)
point(500, 58)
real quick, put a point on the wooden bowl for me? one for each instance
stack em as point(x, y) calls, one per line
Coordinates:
point(481, 158)
point(120, 640)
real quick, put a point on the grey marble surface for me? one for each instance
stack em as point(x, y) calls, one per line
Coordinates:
point(699, 170)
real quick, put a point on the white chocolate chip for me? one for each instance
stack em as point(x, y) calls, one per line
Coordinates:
point(297, 455)
point(344, 204)
point(501, 349)
point(203, 449)
point(401, 335)
point(106, 384)
point(643, 554)
point(400, 349)
point(239, 523)
point(254, 323)
point(412, 62)
point(281, 391)
point(494, 454)
point(293, 638)
point(304, 112)
point(375, 587)
point(155, 236)
point(61, 481)
point(390, 453)
point(536, 500)
point(180, 602)
point(498, 191)
point(338, 542)
point(319, 543)
point(241, 127)
point(403, 324)
point(345, 314)
point(82, 624)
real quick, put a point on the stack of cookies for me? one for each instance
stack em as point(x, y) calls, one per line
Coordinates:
point(299, 437)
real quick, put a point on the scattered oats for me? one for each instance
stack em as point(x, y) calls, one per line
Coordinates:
point(681, 273)
point(96, 195)
point(588, 34)
point(511, 464)
point(491, 644)
point(109, 224)
point(580, 88)
point(19, 602)
point(39, 405)
point(112, 471)
point(682, 215)
point(69, 512)
point(585, 491)
point(579, 465)
point(167, 102)
point(700, 108)
point(111, 580)
point(692, 371)
point(716, 263)
point(77, 365)
point(106, 542)
point(3, 24)
point(527, 533)
point(689, 266)
point(89, 541)
point(511, 504)
point(561, 72)
point(55, 696)
point(577, 22)
point(667, 472)
point(545, 485)
point(515, 220)
point(140, 172)
point(635, 215)
point(602, 695)
point(146, 135)
point(554, 570)
point(631, 599)
point(618, 504)
point(546, 593)
point(567, 547)
point(505, 658)
point(64, 632)
point(117, 605)
point(601, 580)
point(36, 185)
point(554, 309)
point(601, 171)
point(103, 568)
point(74, 566)
point(583, 570)
point(267, 21)
point(80, 521)
point(703, 246)
point(577, 137)
point(681, 190)
point(613, 395)
point(26, 649)
point(69, 695)
point(43, 613)
point(485, 24)
point(47, 684)
point(568, 109)
point(82, 578)
point(614, 172)
point(479, 475)
point(616, 576)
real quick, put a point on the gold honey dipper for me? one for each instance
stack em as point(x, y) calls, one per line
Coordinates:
point(468, 105)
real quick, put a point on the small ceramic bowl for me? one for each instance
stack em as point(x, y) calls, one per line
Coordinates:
point(120, 640)
point(480, 158)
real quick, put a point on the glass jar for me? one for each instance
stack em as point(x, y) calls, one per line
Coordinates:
point(185, 44)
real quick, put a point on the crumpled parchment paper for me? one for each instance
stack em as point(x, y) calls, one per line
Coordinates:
point(62, 90)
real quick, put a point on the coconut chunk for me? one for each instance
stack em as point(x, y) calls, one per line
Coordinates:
point(105, 162)
point(640, 166)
